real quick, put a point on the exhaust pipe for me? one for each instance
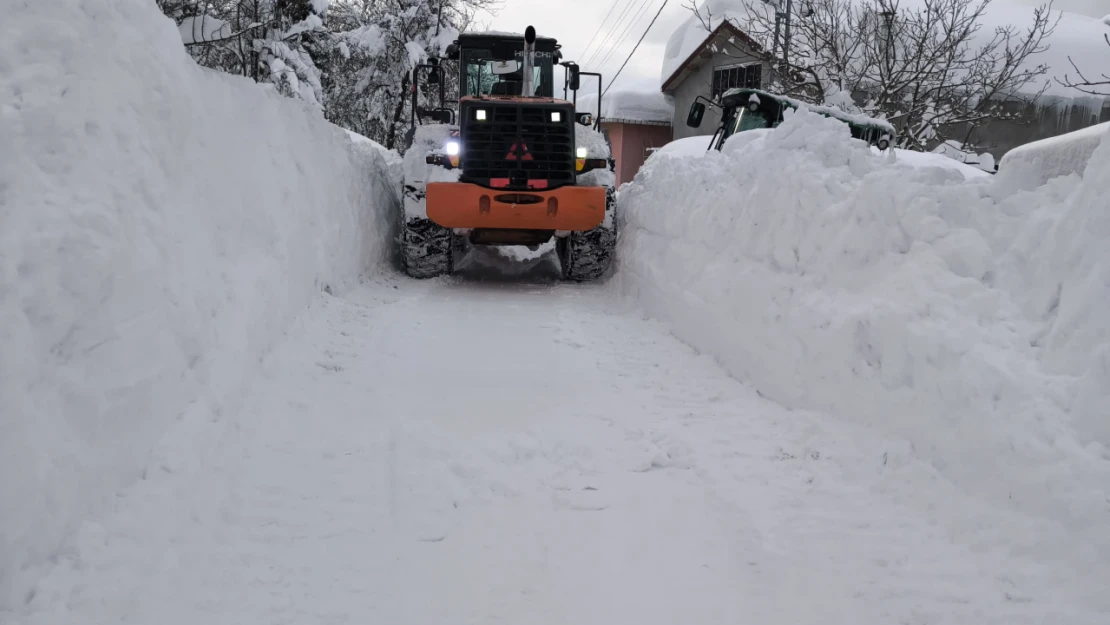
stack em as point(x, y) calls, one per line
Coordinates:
point(528, 89)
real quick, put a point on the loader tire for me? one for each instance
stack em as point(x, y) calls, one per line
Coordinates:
point(427, 249)
point(586, 256)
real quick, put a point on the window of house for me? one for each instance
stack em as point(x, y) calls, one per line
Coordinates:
point(736, 77)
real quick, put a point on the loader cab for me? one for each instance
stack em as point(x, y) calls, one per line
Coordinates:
point(492, 64)
point(751, 109)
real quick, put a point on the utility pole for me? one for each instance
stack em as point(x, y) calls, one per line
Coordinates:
point(786, 39)
point(782, 21)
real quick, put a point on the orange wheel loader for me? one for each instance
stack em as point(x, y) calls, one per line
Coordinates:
point(510, 164)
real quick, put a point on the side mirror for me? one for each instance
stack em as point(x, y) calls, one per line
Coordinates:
point(697, 111)
point(443, 116)
point(574, 79)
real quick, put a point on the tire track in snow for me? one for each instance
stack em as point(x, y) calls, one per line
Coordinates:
point(484, 452)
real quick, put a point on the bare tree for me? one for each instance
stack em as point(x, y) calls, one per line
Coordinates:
point(927, 70)
point(1099, 87)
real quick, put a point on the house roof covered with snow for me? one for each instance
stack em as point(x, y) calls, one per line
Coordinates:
point(631, 107)
point(686, 45)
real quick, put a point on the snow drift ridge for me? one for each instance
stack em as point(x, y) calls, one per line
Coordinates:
point(964, 317)
point(159, 225)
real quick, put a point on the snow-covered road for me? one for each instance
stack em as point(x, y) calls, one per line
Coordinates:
point(484, 451)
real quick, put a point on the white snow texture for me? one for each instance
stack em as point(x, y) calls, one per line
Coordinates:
point(963, 316)
point(628, 106)
point(160, 225)
point(1035, 163)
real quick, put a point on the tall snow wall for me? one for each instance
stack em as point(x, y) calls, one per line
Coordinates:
point(966, 318)
point(160, 224)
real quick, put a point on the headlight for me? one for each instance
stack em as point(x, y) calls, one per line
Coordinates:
point(556, 116)
point(452, 148)
point(581, 152)
point(480, 115)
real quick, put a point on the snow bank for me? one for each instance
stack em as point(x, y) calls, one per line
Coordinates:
point(687, 146)
point(1035, 163)
point(907, 298)
point(937, 159)
point(160, 224)
point(638, 106)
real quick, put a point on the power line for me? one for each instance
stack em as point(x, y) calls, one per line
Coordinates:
point(623, 36)
point(609, 34)
point(599, 27)
point(636, 47)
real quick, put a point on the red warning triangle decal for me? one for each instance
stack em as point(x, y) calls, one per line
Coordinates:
point(517, 146)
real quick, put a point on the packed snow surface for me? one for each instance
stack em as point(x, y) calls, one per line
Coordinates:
point(1037, 162)
point(637, 106)
point(965, 317)
point(619, 477)
point(160, 224)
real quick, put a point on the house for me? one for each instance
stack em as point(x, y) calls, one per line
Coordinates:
point(699, 62)
point(635, 124)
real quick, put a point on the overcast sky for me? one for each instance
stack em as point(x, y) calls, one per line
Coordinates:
point(574, 23)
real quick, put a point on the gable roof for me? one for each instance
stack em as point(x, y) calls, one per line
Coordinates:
point(725, 28)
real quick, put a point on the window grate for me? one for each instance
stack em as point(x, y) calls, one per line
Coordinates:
point(518, 144)
point(739, 77)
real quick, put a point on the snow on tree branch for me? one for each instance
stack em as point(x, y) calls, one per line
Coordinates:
point(352, 58)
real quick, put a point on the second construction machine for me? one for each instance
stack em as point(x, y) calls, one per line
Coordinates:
point(509, 164)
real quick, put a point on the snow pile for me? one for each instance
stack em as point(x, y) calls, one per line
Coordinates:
point(634, 106)
point(907, 298)
point(394, 164)
point(956, 151)
point(687, 146)
point(160, 224)
point(1035, 163)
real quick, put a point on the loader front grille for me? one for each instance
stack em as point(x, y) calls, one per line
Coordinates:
point(517, 145)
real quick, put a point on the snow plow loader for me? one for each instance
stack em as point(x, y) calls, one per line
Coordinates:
point(508, 164)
